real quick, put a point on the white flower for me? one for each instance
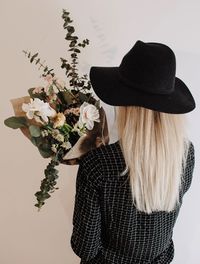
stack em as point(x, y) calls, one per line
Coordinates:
point(88, 114)
point(38, 119)
point(38, 108)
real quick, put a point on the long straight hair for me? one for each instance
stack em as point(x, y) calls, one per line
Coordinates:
point(155, 147)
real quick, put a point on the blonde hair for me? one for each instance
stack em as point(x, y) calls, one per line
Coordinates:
point(155, 148)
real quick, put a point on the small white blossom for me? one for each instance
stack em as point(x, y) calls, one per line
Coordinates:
point(55, 132)
point(54, 148)
point(60, 138)
point(57, 135)
point(66, 145)
point(44, 133)
point(77, 129)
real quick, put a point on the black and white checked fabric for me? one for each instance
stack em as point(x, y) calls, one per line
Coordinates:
point(107, 228)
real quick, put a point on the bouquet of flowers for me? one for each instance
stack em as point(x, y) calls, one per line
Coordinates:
point(63, 121)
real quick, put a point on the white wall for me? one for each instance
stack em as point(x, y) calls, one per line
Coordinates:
point(113, 27)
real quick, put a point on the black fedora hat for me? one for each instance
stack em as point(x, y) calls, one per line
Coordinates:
point(146, 78)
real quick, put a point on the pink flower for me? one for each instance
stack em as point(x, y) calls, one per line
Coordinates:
point(49, 78)
point(37, 90)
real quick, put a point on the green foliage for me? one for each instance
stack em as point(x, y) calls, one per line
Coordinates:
point(48, 183)
point(37, 61)
point(74, 48)
point(34, 131)
point(16, 122)
point(45, 151)
point(43, 145)
point(83, 97)
point(33, 57)
point(66, 128)
point(36, 140)
point(65, 97)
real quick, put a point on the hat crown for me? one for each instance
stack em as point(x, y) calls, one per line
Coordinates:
point(145, 78)
point(150, 67)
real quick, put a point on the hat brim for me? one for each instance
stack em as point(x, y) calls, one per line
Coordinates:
point(110, 88)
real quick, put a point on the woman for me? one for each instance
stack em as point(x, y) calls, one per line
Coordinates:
point(129, 193)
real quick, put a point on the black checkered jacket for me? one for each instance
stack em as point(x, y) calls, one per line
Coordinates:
point(107, 228)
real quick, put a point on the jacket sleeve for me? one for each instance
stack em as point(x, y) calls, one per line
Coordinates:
point(190, 163)
point(86, 234)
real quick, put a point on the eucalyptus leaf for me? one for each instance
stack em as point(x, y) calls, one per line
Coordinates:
point(77, 50)
point(83, 97)
point(46, 196)
point(45, 149)
point(33, 57)
point(38, 60)
point(34, 141)
point(44, 153)
point(37, 141)
point(65, 97)
point(70, 29)
point(16, 122)
point(30, 91)
point(34, 131)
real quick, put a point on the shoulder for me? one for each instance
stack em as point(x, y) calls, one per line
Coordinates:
point(96, 161)
point(191, 152)
point(97, 155)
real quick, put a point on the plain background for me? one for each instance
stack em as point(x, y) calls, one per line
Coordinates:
point(113, 26)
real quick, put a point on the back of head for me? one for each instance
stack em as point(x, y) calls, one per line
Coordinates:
point(155, 148)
